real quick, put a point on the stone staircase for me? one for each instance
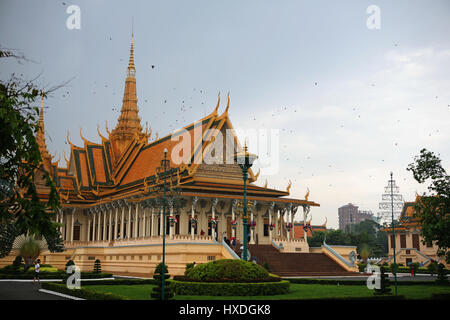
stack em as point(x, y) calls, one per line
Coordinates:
point(296, 264)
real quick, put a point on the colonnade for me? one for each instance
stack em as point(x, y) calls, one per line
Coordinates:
point(132, 219)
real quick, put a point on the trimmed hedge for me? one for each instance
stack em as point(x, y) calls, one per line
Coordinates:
point(230, 289)
point(256, 280)
point(118, 282)
point(81, 293)
point(354, 282)
point(228, 270)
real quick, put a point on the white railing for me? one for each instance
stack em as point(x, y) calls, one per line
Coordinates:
point(231, 251)
point(139, 241)
point(348, 263)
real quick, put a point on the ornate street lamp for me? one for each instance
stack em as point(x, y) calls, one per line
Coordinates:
point(165, 164)
point(245, 160)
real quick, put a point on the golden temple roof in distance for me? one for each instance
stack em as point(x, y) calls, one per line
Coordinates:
point(125, 162)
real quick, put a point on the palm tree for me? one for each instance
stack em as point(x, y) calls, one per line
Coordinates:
point(364, 252)
point(29, 249)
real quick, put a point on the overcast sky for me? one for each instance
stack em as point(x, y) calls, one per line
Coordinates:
point(351, 103)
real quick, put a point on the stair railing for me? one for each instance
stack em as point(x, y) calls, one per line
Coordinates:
point(279, 247)
point(231, 251)
point(350, 264)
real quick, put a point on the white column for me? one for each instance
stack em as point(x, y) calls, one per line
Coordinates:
point(122, 222)
point(71, 225)
point(152, 228)
point(144, 224)
point(194, 203)
point(110, 225)
point(233, 217)
point(293, 221)
point(271, 206)
point(214, 230)
point(115, 224)
point(104, 225)
point(171, 231)
point(129, 222)
point(89, 229)
point(93, 226)
point(305, 216)
point(136, 221)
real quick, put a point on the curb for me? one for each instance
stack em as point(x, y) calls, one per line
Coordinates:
point(29, 280)
point(60, 294)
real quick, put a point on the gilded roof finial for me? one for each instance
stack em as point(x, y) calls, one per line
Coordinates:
point(228, 103)
point(307, 195)
point(68, 140)
point(257, 175)
point(325, 224)
point(98, 131)
point(218, 103)
point(131, 69)
point(82, 138)
point(67, 161)
point(106, 127)
point(289, 186)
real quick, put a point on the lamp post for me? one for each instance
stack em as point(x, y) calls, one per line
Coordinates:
point(245, 161)
point(393, 231)
point(164, 165)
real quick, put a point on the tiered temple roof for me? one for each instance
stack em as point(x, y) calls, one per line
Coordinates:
point(124, 164)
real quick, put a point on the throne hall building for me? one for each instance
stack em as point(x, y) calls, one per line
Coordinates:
point(111, 195)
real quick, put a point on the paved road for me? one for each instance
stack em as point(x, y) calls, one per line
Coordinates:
point(12, 290)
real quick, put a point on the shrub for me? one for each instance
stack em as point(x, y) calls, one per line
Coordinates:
point(227, 270)
point(189, 266)
point(442, 275)
point(384, 284)
point(266, 266)
point(97, 266)
point(432, 268)
point(157, 291)
point(17, 263)
point(362, 267)
point(69, 263)
point(230, 289)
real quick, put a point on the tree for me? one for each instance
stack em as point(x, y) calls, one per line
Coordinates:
point(168, 288)
point(21, 210)
point(30, 249)
point(364, 251)
point(384, 283)
point(97, 266)
point(441, 275)
point(433, 210)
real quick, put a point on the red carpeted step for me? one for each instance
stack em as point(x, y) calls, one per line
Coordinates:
point(296, 264)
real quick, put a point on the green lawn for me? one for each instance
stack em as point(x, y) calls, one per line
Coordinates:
point(297, 291)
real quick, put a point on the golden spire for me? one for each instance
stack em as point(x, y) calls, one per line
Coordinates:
point(128, 126)
point(131, 69)
point(40, 139)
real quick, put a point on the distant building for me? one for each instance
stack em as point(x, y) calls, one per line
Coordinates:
point(300, 228)
point(349, 214)
point(409, 243)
